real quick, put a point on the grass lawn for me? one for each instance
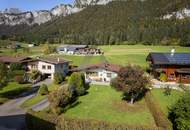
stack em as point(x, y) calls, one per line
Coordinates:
point(118, 54)
point(135, 54)
point(12, 90)
point(166, 101)
point(36, 99)
point(104, 103)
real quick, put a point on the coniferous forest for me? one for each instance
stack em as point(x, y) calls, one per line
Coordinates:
point(119, 22)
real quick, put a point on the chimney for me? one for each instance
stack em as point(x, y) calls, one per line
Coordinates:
point(172, 52)
point(58, 59)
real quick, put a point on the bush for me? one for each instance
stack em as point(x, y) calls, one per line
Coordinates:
point(58, 78)
point(167, 90)
point(35, 75)
point(40, 121)
point(15, 66)
point(19, 79)
point(160, 118)
point(60, 99)
point(43, 90)
point(3, 75)
point(77, 83)
point(163, 77)
point(65, 123)
point(180, 114)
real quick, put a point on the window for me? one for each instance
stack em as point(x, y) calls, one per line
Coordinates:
point(43, 67)
point(49, 67)
point(184, 76)
point(109, 75)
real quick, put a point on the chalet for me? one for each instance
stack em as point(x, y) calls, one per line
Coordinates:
point(176, 66)
point(78, 50)
point(49, 66)
point(19, 60)
point(102, 72)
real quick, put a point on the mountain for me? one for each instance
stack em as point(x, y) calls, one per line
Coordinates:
point(14, 16)
point(119, 21)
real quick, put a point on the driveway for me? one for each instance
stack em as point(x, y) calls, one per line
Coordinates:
point(12, 115)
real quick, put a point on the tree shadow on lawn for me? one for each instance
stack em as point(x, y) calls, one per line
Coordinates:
point(16, 122)
point(127, 97)
point(124, 104)
point(19, 92)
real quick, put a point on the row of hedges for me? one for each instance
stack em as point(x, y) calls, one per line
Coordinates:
point(40, 121)
point(81, 124)
point(160, 118)
point(46, 121)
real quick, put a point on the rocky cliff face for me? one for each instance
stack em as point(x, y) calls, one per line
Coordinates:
point(15, 16)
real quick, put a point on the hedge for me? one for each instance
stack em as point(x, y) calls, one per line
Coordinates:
point(40, 121)
point(81, 124)
point(160, 118)
point(46, 121)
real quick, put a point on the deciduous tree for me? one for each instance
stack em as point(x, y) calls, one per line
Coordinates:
point(132, 82)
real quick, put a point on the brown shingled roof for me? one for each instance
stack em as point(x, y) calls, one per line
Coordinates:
point(106, 66)
point(10, 59)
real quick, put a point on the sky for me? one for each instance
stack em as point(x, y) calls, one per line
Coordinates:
point(31, 5)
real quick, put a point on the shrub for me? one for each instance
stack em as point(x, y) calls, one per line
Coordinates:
point(180, 114)
point(160, 118)
point(15, 66)
point(167, 90)
point(60, 99)
point(19, 79)
point(58, 78)
point(48, 49)
point(35, 75)
point(77, 83)
point(40, 120)
point(65, 123)
point(3, 75)
point(43, 90)
point(163, 77)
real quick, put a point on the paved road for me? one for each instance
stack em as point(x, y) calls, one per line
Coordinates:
point(13, 116)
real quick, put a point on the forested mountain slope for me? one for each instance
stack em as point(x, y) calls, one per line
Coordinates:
point(131, 21)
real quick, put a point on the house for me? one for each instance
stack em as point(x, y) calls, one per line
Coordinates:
point(49, 66)
point(79, 50)
point(176, 66)
point(18, 59)
point(102, 72)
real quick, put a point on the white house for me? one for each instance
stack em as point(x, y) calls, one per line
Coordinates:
point(49, 67)
point(103, 72)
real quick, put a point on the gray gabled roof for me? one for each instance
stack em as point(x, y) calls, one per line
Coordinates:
point(169, 59)
point(72, 47)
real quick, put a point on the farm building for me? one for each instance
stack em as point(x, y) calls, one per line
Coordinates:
point(78, 50)
point(102, 72)
point(175, 66)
